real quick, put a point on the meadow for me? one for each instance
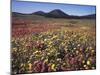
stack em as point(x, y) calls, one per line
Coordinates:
point(52, 44)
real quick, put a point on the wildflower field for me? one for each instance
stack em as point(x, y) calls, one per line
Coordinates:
point(53, 45)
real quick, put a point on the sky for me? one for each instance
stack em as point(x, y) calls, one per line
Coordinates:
point(30, 7)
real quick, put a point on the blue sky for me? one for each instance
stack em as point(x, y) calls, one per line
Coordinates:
point(30, 7)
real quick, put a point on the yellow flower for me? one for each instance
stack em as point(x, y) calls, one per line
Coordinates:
point(64, 63)
point(48, 53)
point(84, 66)
point(30, 66)
point(58, 59)
point(77, 52)
point(78, 45)
point(50, 42)
point(54, 37)
point(88, 62)
point(83, 61)
point(36, 51)
point(15, 49)
point(90, 48)
point(92, 51)
point(93, 67)
point(53, 67)
point(46, 60)
point(74, 48)
point(21, 64)
point(45, 39)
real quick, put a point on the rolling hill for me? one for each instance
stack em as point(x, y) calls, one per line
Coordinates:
point(57, 13)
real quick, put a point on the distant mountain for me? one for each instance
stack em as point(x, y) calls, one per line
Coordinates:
point(26, 16)
point(92, 16)
point(55, 14)
point(39, 13)
point(16, 14)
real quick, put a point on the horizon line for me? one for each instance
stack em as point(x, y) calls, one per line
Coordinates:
point(50, 11)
